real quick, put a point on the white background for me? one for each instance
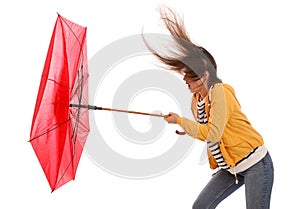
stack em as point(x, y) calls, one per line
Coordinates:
point(255, 43)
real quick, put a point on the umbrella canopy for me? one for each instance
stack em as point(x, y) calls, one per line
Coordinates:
point(59, 131)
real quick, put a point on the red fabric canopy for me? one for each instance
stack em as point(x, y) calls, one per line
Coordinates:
point(58, 131)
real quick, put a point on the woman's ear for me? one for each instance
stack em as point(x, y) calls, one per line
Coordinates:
point(206, 74)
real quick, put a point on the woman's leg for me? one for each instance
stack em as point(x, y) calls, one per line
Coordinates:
point(258, 184)
point(218, 188)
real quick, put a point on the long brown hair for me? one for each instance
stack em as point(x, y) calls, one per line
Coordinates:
point(186, 57)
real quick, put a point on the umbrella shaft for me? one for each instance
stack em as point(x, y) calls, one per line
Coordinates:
point(133, 112)
point(91, 107)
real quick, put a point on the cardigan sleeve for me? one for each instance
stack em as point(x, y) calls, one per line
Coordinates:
point(218, 114)
point(213, 130)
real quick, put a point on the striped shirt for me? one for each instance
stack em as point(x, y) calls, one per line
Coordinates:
point(213, 146)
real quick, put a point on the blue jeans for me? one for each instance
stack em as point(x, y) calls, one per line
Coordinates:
point(258, 181)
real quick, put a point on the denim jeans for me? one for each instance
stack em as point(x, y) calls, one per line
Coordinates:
point(258, 181)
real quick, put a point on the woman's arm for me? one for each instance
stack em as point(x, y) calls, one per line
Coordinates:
point(217, 120)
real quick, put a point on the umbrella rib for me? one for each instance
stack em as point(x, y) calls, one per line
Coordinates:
point(52, 129)
point(58, 83)
point(70, 29)
point(57, 183)
point(74, 151)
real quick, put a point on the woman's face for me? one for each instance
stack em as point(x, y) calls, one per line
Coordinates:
point(196, 84)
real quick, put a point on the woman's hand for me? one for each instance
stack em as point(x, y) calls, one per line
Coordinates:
point(171, 118)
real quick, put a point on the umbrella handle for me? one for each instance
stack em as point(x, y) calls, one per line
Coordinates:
point(91, 107)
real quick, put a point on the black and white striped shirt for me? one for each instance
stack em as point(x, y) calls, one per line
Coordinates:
point(213, 146)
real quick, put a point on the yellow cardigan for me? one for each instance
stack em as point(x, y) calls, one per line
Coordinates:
point(226, 125)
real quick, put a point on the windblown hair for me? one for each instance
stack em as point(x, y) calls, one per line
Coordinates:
point(186, 57)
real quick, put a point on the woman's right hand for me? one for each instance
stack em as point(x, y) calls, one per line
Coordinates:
point(171, 118)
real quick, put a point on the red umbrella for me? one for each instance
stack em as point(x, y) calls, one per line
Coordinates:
point(59, 132)
point(60, 124)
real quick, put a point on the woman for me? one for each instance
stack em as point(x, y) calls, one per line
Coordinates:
point(234, 146)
